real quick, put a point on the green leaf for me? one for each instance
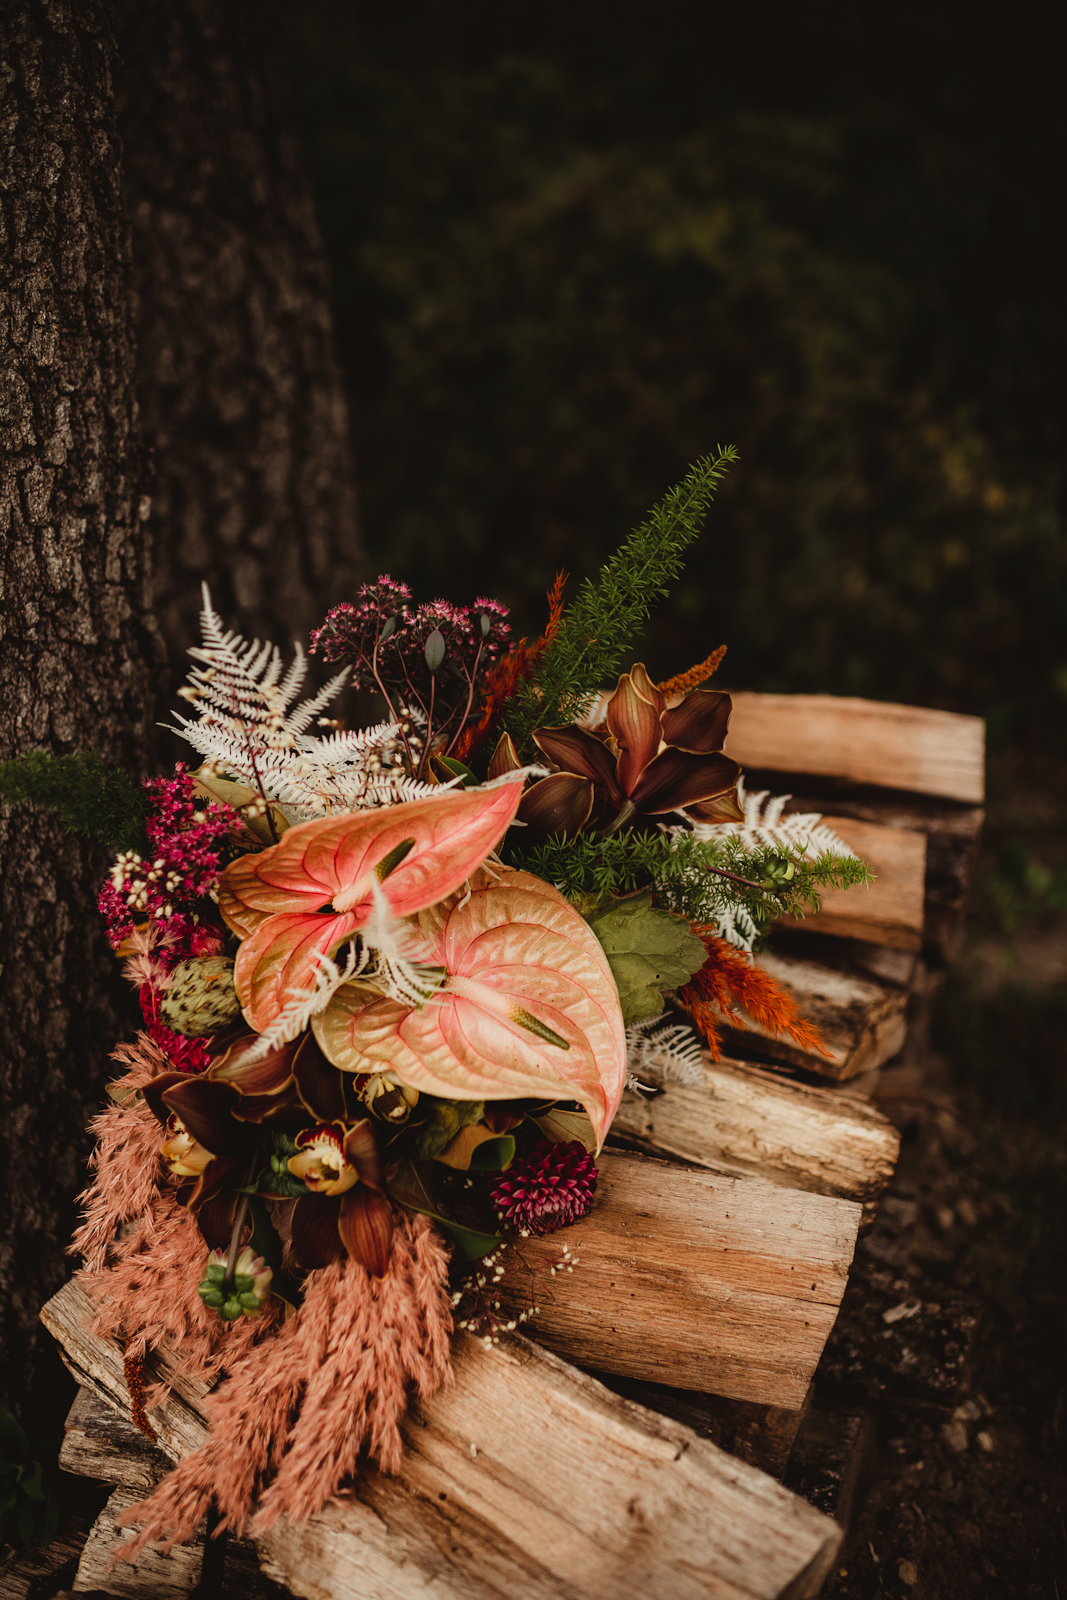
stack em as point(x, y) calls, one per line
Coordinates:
point(649, 951)
point(495, 1155)
point(12, 1435)
point(407, 1188)
point(266, 1243)
point(565, 1127)
point(441, 1127)
point(446, 767)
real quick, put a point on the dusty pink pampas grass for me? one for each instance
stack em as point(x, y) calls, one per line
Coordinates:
point(126, 1160)
point(144, 1254)
point(295, 1413)
point(148, 1296)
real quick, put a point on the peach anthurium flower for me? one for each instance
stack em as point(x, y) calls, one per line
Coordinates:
point(303, 897)
point(529, 1006)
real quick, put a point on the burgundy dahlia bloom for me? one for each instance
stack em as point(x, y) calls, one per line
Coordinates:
point(549, 1188)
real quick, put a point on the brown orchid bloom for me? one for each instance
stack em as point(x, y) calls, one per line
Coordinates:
point(204, 1144)
point(649, 759)
point(347, 1211)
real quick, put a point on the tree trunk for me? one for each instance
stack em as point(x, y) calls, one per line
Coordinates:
point(239, 389)
point(77, 647)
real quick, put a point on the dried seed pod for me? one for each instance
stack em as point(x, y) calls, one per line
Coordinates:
point(200, 997)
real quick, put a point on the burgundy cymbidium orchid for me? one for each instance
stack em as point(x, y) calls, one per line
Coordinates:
point(347, 1211)
point(649, 758)
point(205, 1145)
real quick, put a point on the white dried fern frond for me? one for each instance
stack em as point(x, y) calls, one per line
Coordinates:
point(249, 725)
point(664, 1052)
point(804, 834)
point(303, 1005)
point(396, 962)
point(734, 924)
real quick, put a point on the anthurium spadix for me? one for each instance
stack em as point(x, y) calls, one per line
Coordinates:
point(528, 1008)
point(302, 898)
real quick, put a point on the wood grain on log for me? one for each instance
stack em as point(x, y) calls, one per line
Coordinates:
point(761, 1435)
point(154, 1576)
point(744, 1121)
point(890, 911)
point(98, 1442)
point(692, 1279)
point(952, 836)
point(863, 741)
point(525, 1478)
point(861, 1020)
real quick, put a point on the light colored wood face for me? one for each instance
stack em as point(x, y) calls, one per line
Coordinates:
point(861, 741)
point(890, 912)
point(745, 1122)
point(694, 1279)
point(525, 1477)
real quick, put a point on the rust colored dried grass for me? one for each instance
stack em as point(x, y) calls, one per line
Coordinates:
point(729, 981)
point(685, 682)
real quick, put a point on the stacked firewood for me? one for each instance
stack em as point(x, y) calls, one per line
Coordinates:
point(689, 1310)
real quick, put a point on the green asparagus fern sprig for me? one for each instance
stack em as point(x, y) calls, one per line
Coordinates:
point(605, 616)
point(699, 878)
point(95, 800)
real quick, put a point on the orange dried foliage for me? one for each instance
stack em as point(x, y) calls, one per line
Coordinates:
point(728, 982)
point(504, 677)
point(684, 682)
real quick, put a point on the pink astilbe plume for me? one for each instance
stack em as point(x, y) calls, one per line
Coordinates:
point(302, 1406)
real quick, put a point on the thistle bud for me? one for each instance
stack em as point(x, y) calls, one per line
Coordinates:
point(250, 1287)
point(200, 997)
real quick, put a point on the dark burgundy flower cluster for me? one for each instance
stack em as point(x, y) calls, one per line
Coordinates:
point(428, 657)
point(548, 1188)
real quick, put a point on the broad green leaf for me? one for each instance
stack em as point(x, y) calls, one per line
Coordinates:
point(650, 951)
point(407, 1188)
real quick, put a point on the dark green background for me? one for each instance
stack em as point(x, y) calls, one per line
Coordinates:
point(576, 246)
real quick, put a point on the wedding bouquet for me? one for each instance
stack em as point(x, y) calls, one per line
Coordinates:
point(395, 980)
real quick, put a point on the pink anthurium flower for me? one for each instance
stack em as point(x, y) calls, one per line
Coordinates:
point(303, 897)
point(529, 1007)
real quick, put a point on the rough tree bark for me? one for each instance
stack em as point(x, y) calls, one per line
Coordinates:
point(77, 645)
point(240, 393)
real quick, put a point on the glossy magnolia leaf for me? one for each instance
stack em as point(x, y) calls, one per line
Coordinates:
point(650, 951)
point(303, 897)
point(529, 1008)
point(477, 1148)
point(564, 1127)
point(407, 1188)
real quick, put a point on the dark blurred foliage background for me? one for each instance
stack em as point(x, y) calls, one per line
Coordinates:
point(575, 245)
